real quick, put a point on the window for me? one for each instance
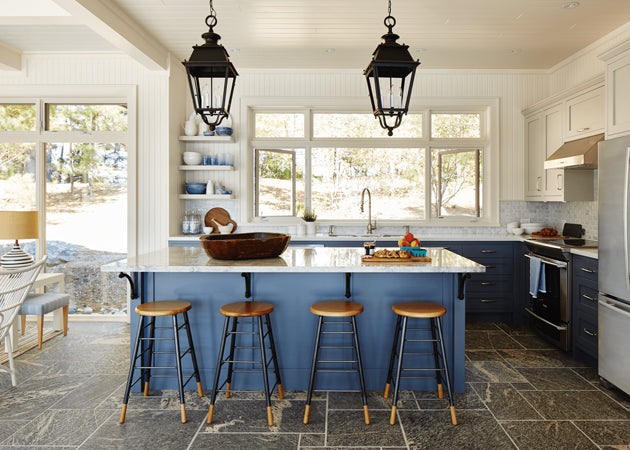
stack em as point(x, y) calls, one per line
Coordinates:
point(78, 159)
point(434, 168)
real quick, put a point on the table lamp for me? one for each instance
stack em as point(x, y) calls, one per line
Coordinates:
point(18, 225)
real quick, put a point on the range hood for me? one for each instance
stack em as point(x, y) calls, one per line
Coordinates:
point(578, 154)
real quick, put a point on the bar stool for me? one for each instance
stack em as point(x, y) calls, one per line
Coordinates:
point(160, 309)
point(420, 310)
point(337, 308)
point(235, 311)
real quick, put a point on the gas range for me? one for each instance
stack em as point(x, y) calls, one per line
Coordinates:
point(560, 248)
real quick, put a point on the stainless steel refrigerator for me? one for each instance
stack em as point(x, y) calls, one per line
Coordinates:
point(614, 262)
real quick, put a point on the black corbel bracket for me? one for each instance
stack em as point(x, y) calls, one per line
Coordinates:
point(348, 293)
point(248, 283)
point(134, 291)
point(462, 285)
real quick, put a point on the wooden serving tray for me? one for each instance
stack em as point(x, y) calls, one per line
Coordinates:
point(412, 259)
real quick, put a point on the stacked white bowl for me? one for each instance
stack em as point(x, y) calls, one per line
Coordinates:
point(192, 158)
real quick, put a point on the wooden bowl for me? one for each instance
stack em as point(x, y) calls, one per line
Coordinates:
point(244, 245)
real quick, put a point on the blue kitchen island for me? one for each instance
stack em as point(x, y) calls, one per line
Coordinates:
point(292, 282)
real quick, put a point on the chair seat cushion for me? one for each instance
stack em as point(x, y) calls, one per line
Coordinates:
point(40, 304)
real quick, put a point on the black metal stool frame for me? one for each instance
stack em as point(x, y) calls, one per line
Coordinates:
point(400, 337)
point(264, 362)
point(147, 358)
point(358, 370)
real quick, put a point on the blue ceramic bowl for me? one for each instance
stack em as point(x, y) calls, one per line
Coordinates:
point(196, 188)
point(223, 131)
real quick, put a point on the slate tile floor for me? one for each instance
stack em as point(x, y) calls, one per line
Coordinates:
point(519, 394)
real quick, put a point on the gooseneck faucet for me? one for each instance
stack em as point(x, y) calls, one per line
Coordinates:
point(370, 227)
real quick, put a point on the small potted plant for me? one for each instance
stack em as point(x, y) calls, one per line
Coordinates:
point(309, 216)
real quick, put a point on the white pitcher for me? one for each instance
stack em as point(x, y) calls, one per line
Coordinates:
point(190, 128)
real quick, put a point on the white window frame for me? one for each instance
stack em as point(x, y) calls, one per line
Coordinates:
point(488, 107)
point(82, 94)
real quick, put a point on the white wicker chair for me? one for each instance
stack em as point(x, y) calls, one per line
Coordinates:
point(14, 285)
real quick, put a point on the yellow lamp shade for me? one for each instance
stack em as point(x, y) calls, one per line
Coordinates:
point(16, 225)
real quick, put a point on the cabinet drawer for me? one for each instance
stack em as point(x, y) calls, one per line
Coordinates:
point(487, 250)
point(489, 302)
point(585, 268)
point(496, 266)
point(585, 296)
point(484, 283)
point(586, 333)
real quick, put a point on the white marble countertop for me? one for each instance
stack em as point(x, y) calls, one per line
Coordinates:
point(588, 252)
point(427, 237)
point(294, 259)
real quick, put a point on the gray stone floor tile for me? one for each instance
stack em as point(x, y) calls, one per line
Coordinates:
point(24, 370)
point(501, 340)
point(312, 440)
point(8, 427)
point(532, 342)
point(566, 405)
point(539, 358)
point(353, 400)
point(523, 386)
point(433, 430)
point(482, 326)
point(249, 416)
point(556, 380)
point(547, 434)
point(620, 397)
point(606, 432)
point(59, 427)
point(514, 329)
point(236, 441)
point(149, 430)
point(491, 372)
point(167, 399)
point(476, 340)
point(92, 393)
point(483, 355)
point(468, 400)
point(348, 428)
point(505, 402)
point(588, 373)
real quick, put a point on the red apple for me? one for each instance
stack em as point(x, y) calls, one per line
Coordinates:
point(408, 237)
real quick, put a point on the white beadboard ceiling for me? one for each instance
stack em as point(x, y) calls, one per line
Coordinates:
point(462, 34)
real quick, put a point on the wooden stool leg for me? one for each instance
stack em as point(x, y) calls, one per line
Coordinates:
point(22, 324)
point(392, 418)
point(447, 376)
point(178, 363)
point(355, 335)
point(40, 331)
point(132, 366)
point(217, 371)
point(228, 383)
point(192, 354)
point(438, 375)
point(146, 373)
point(311, 380)
point(65, 319)
point(274, 357)
point(392, 357)
point(263, 359)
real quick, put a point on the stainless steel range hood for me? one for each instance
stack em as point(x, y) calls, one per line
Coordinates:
point(579, 154)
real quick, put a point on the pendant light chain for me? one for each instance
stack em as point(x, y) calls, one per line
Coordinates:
point(389, 7)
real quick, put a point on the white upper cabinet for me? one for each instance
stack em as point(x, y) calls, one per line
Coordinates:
point(617, 90)
point(584, 114)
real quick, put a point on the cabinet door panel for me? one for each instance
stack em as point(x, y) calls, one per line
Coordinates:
point(585, 114)
point(618, 97)
point(554, 183)
point(534, 157)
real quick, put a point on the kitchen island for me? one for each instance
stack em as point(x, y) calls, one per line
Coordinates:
point(292, 282)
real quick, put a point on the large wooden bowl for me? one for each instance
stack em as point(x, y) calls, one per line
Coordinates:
point(244, 245)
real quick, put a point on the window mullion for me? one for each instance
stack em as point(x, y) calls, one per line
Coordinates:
point(428, 184)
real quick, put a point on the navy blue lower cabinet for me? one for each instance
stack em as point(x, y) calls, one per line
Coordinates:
point(584, 309)
point(294, 326)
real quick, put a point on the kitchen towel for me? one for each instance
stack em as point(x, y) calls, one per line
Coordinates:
point(537, 281)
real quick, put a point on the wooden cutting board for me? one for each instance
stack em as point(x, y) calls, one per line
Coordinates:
point(221, 216)
point(542, 238)
point(404, 260)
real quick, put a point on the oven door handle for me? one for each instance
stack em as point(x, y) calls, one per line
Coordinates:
point(551, 324)
point(549, 261)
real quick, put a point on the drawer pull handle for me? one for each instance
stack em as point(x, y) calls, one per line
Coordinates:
point(488, 251)
point(487, 300)
point(589, 298)
point(490, 267)
point(488, 283)
point(590, 333)
point(583, 269)
point(581, 130)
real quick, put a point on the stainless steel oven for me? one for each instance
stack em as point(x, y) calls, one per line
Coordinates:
point(550, 311)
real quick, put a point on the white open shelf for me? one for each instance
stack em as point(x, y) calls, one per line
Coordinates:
point(214, 138)
point(206, 196)
point(206, 167)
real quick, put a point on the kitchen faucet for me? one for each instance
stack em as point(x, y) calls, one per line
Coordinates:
point(370, 227)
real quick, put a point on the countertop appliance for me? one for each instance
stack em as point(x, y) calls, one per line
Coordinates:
point(614, 262)
point(550, 311)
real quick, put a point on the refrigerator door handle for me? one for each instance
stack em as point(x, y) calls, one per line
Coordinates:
point(625, 217)
point(614, 306)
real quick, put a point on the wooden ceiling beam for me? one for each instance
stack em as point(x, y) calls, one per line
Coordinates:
point(10, 58)
point(109, 21)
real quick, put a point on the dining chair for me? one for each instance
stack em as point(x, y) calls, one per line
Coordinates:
point(14, 285)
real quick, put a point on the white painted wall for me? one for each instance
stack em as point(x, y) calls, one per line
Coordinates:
point(152, 123)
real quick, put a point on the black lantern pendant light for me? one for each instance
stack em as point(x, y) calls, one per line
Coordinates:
point(390, 77)
point(211, 76)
